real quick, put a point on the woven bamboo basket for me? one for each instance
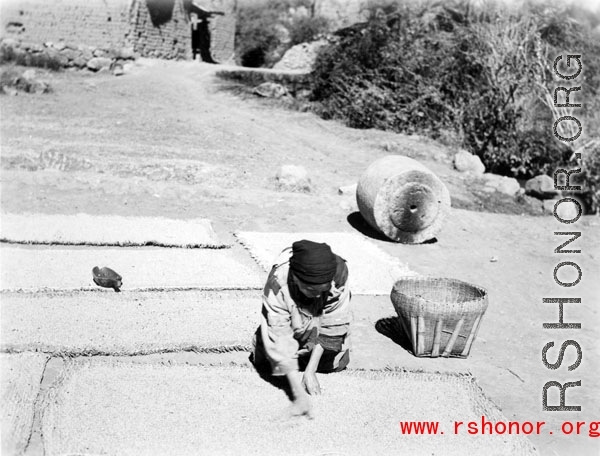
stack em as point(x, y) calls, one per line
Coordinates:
point(440, 316)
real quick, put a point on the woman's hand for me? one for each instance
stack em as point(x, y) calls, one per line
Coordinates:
point(310, 383)
point(301, 405)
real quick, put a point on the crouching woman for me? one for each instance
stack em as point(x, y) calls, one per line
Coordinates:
point(305, 319)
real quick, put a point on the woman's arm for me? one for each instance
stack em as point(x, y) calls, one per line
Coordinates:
point(309, 379)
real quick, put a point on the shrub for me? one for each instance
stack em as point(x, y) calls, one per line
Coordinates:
point(305, 29)
point(485, 74)
point(394, 57)
point(265, 30)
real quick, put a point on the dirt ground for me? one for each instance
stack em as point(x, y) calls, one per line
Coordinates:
point(165, 140)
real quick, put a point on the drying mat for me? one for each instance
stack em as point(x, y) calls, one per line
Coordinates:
point(110, 407)
point(128, 323)
point(35, 268)
point(21, 377)
point(372, 271)
point(84, 229)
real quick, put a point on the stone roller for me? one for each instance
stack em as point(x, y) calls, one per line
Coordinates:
point(402, 199)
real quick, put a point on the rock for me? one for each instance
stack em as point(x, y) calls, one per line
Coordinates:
point(39, 87)
point(293, 178)
point(99, 53)
point(507, 185)
point(86, 52)
point(9, 90)
point(79, 62)
point(270, 90)
point(117, 69)
point(300, 12)
point(126, 53)
point(33, 47)
point(54, 55)
point(466, 162)
point(566, 210)
point(70, 54)
point(541, 187)
point(9, 42)
point(282, 33)
point(28, 82)
point(29, 74)
point(98, 63)
point(121, 53)
point(59, 46)
point(348, 206)
point(347, 190)
point(301, 57)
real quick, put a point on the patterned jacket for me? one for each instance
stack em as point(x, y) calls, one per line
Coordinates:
point(286, 327)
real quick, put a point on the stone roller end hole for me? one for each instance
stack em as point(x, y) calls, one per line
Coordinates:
point(415, 207)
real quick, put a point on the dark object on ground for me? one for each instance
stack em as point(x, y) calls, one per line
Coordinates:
point(107, 278)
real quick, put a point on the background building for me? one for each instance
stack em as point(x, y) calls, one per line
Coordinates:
point(151, 28)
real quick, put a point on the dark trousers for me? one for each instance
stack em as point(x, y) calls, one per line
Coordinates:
point(331, 360)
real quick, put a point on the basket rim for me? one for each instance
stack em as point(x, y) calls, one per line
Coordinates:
point(470, 302)
point(434, 279)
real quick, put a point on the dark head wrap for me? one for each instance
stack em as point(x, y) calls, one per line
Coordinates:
point(312, 262)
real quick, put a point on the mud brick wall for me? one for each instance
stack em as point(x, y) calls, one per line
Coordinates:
point(171, 40)
point(222, 29)
point(94, 23)
point(115, 24)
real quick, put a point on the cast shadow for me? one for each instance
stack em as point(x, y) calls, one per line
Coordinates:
point(356, 221)
point(392, 328)
point(279, 382)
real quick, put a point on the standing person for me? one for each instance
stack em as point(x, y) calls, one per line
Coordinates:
point(201, 39)
point(305, 319)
